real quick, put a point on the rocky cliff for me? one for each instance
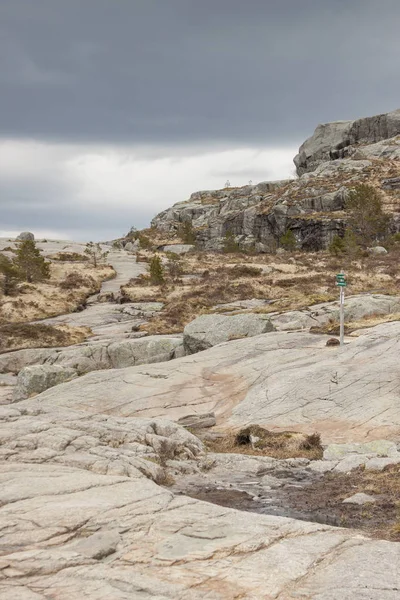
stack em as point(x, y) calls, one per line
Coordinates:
point(337, 157)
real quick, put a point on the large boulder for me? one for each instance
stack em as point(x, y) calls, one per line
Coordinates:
point(209, 330)
point(178, 248)
point(26, 236)
point(331, 141)
point(37, 378)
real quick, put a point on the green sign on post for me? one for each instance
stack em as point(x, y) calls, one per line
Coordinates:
point(341, 280)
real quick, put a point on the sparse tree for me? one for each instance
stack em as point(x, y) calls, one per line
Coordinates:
point(156, 270)
point(227, 183)
point(10, 275)
point(30, 264)
point(367, 220)
point(95, 253)
point(174, 266)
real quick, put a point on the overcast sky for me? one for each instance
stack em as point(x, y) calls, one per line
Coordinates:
point(112, 110)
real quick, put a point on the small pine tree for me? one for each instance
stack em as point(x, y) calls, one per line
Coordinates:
point(337, 246)
point(30, 263)
point(10, 274)
point(95, 253)
point(230, 245)
point(367, 220)
point(288, 240)
point(173, 265)
point(156, 270)
point(187, 233)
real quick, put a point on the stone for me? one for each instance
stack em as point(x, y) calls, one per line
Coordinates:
point(26, 236)
point(198, 421)
point(377, 250)
point(179, 248)
point(333, 342)
point(380, 463)
point(37, 378)
point(209, 330)
point(381, 448)
point(132, 246)
point(360, 499)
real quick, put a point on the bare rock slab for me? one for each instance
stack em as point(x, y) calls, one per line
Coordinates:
point(209, 330)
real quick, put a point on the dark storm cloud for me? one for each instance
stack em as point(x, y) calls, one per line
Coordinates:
point(190, 71)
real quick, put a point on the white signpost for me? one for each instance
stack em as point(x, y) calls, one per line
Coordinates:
point(341, 283)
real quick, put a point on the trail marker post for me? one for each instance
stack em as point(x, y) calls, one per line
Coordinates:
point(341, 283)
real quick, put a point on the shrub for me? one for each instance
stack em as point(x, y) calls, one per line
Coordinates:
point(156, 270)
point(173, 265)
point(75, 280)
point(288, 240)
point(70, 257)
point(337, 246)
point(230, 245)
point(187, 233)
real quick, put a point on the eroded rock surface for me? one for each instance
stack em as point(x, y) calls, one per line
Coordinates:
point(82, 516)
point(282, 380)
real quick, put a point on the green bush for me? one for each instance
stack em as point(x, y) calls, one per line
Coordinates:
point(288, 240)
point(156, 270)
point(187, 233)
point(230, 245)
point(337, 246)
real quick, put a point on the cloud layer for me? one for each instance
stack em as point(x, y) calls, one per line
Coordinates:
point(101, 101)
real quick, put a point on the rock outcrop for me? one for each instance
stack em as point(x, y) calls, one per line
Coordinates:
point(337, 157)
point(340, 140)
point(278, 380)
point(26, 236)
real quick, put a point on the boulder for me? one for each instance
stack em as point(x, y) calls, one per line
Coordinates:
point(209, 330)
point(132, 246)
point(179, 248)
point(332, 141)
point(375, 448)
point(198, 421)
point(360, 499)
point(26, 236)
point(37, 378)
point(377, 250)
point(147, 350)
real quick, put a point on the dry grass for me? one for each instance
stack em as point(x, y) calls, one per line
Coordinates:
point(292, 281)
point(257, 441)
point(56, 296)
point(17, 336)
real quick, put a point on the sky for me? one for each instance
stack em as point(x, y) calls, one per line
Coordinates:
point(113, 110)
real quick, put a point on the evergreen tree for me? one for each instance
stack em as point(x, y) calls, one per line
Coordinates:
point(10, 274)
point(187, 233)
point(367, 220)
point(156, 270)
point(30, 264)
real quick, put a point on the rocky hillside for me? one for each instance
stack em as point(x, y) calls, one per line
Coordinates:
point(333, 160)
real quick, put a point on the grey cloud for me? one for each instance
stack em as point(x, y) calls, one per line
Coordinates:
point(179, 71)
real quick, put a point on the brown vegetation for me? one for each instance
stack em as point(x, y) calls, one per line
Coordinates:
point(16, 336)
point(256, 440)
point(381, 519)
